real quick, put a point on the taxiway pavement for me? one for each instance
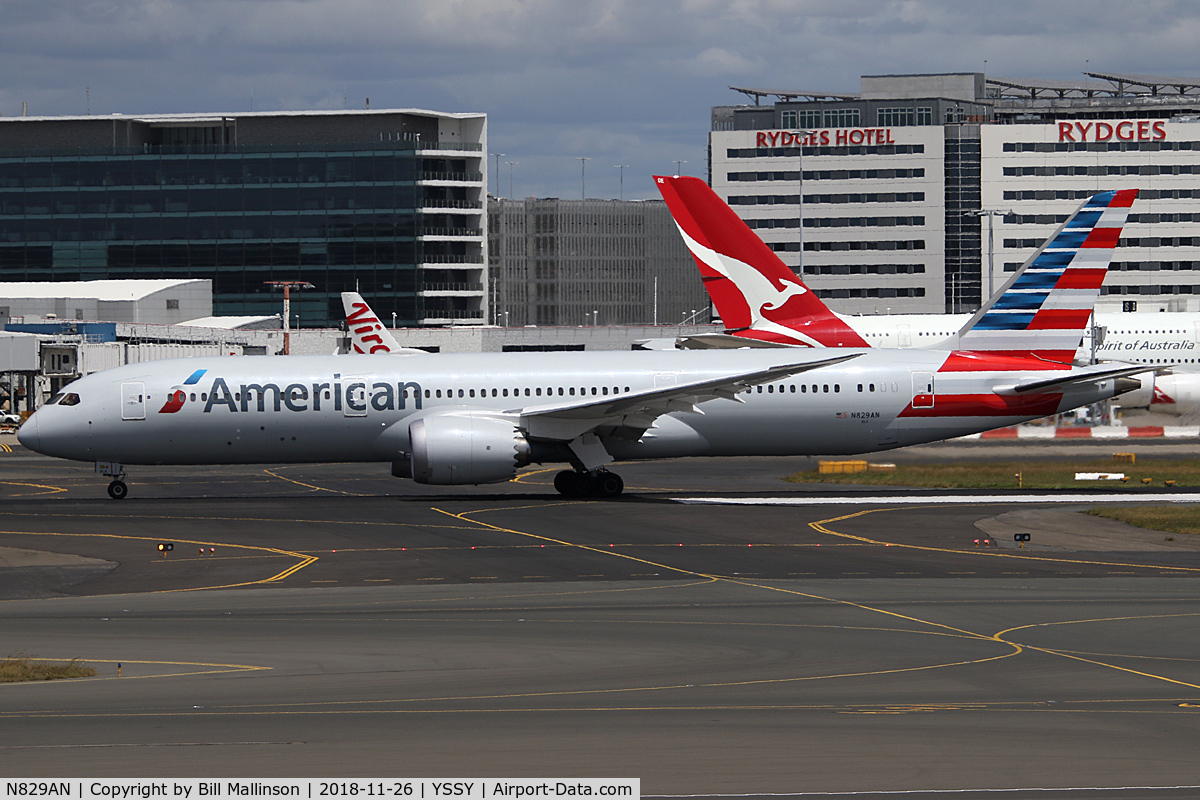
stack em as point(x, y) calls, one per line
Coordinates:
point(372, 627)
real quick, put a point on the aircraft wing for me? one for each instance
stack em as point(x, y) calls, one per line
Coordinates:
point(1077, 376)
point(722, 341)
point(629, 415)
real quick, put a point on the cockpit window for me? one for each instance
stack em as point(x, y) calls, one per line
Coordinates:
point(70, 399)
point(54, 400)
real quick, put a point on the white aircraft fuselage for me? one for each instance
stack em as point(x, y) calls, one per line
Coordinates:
point(366, 408)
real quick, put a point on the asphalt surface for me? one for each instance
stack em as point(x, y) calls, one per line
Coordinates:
point(340, 622)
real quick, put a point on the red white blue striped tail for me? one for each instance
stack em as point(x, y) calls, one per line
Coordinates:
point(1045, 307)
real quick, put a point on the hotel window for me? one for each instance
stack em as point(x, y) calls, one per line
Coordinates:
point(842, 118)
point(895, 117)
point(787, 119)
point(810, 118)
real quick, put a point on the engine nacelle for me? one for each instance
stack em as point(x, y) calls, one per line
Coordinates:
point(1177, 394)
point(465, 447)
point(1140, 397)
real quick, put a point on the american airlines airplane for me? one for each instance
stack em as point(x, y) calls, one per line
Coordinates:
point(477, 418)
point(741, 281)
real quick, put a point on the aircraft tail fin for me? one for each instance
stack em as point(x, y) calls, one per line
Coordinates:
point(1044, 308)
point(755, 293)
point(367, 333)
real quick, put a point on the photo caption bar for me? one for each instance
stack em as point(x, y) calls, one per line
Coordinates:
point(414, 788)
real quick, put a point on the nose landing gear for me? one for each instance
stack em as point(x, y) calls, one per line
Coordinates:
point(598, 483)
point(117, 490)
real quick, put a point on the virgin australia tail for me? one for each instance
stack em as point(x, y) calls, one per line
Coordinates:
point(1044, 308)
point(367, 333)
point(755, 293)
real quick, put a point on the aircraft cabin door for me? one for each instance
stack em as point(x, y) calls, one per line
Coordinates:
point(922, 387)
point(356, 400)
point(133, 400)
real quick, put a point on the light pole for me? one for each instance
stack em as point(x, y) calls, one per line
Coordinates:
point(583, 176)
point(622, 168)
point(498, 156)
point(287, 309)
point(991, 214)
point(801, 136)
point(677, 166)
point(510, 177)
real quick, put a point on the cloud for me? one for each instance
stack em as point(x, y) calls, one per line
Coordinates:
point(622, 81)
point(716, 62)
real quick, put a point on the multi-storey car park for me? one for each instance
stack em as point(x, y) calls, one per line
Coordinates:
point(919, 192)
point(389, 202)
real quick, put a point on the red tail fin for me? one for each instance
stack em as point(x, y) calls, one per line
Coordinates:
point(755, 293)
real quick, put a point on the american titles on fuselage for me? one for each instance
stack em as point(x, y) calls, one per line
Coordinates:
point(295, 396)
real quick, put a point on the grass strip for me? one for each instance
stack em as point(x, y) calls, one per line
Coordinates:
point(1172, 519)
point(1003, 475)
point(15, 669)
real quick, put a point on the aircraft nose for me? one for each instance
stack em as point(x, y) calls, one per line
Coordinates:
point(28, 434)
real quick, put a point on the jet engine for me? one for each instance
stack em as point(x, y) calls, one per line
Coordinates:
point(1142, 392)
point(465, 447)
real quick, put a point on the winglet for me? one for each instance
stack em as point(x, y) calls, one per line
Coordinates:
point(756, 294)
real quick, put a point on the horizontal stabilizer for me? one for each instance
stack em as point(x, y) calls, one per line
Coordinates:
point(722, 341)
point(1077, 377)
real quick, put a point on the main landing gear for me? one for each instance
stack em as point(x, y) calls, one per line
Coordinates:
point(117, 490)
point(599, 483)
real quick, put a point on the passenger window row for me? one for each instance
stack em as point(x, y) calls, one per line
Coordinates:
point(823, 388)
point(569, 391)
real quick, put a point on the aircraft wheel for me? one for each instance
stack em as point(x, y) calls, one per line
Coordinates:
point(569, 483)
point(117, 490)
point(608, 484)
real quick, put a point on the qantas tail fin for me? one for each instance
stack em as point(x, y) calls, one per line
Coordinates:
point(1044, 308)
point(367, 333)
point(756, 294)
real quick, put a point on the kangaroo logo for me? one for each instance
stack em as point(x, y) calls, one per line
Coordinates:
point(178, 395)
point(760, 292)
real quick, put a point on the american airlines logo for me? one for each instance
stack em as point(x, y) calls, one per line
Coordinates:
point(178, 395)
point(338, 395)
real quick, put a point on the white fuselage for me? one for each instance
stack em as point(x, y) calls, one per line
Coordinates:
point(359, 408)
point(1167, 339)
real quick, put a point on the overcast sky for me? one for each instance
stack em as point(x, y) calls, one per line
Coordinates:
point(618, 82)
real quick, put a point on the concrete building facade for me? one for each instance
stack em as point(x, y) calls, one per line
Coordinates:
point(590, 262)
point(162, 302)
point(919, 192)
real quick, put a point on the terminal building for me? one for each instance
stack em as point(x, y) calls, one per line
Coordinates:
point(389, 202)
point(918, 193)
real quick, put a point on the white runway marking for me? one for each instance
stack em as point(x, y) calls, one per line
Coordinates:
point(941, 499)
